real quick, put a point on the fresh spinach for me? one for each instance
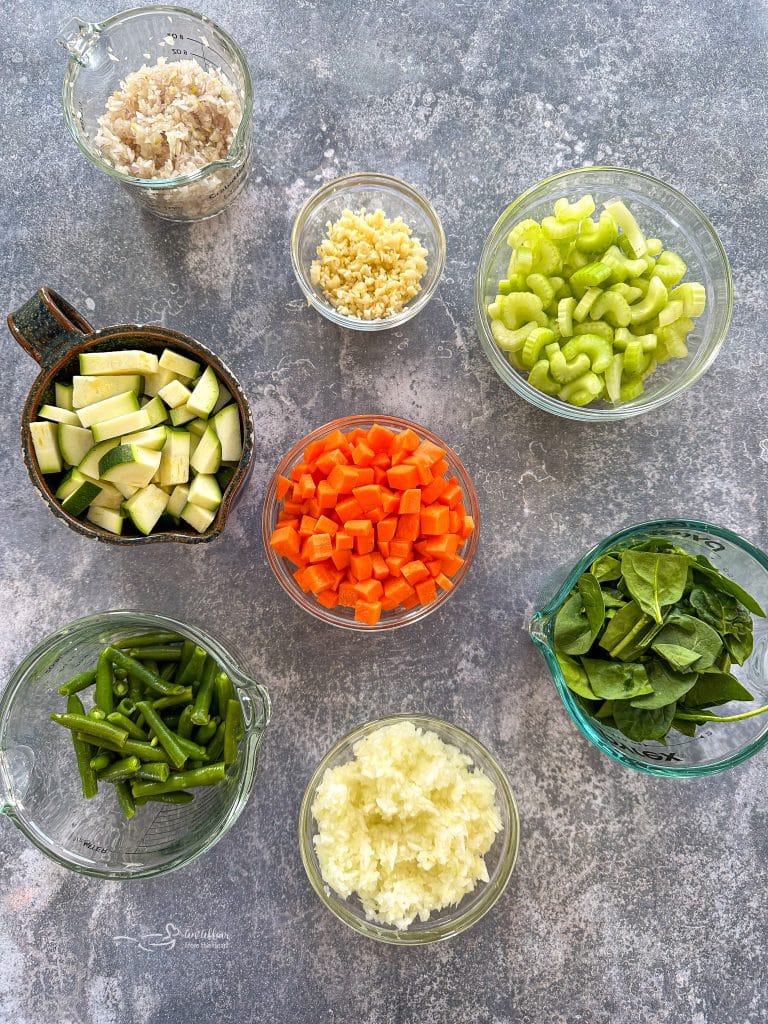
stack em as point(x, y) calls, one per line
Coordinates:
point(575, 677)
point(668, 685)
point(594, 603)
point(654, 580)
point(606, 567)
point(690, 633)
point(677, 657)
point(573, 633)
point(628, 633)
point(703, 567)
point(715, 688)
point(683, 726)
point(616, 680)
point(643, 723)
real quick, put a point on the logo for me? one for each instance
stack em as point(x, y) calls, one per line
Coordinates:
point(174, 937)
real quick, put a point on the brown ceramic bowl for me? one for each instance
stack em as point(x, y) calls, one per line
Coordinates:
point(54, 334)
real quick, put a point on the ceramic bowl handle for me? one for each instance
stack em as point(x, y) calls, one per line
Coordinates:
point(47, 325)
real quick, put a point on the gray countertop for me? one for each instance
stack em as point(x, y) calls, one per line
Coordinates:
point(634, 899)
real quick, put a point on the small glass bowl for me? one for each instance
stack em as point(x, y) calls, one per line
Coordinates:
point(284, 570)
point(372, 191)
point(39, 781)
point(662, 212)
point(500, 859)
point(719, 745)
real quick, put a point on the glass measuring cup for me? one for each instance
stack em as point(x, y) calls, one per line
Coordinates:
point(100, 57)
point(716, 746)
point(39, 781)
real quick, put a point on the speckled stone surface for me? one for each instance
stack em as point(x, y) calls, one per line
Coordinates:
point(634, 899)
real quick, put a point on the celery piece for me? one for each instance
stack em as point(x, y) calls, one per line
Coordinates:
point(565, 308)
point(630, 390)
point(612, 306)
point(670, 268)
point(590, 276)
point(577, 260)
point(534, 343)
point(541, 379)
point(693, 296)
point(635, 360)
point(627, 292)
point(583, 390)
point(522, 260)
point(628, 225)
point(654, 246)
point(598, 237)
point(640, 283)
point(527, 233)
point(623, 337)
point(556, 231)
point(505, 287)
point(565, 371)
point(599, 327)
point(671, 312)
point(541, 286)
point(566, 212)
point(613, 378)
point(519, 307)
point(585, 303)
point(510, 341)
point(548, 259)
point(652, 303)
point(599, 351)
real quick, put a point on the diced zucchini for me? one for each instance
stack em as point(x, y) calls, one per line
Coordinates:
point(224, 398)
point(57, 415)
point(156, 412)
point(205, 492)
point(78, 501)
point(89, 390)
point(198, 518)
point(109, 496)
point(127, 424)
point(106, 518)
point(181, 415)
point(198, 427)
point(89, 466)
point(153, 438)
point(153, 382)
point(175, 394)
point(127, 361)
point(69, 483)
point(129, 465)
point(174, 465)
point(207, 457)
point(74, 443)
point(63, 393)
point(145, 507)
point(179, 364)
point(46, 445)
point(108, 409)
point(177, 500)
point(226, 423)
point(205, 395)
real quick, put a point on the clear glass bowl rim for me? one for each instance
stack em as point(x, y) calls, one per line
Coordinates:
point(277, 563)
point(515, 380)
point(541, 635)
point(493, 890)
point(248, 774)
point(339, 184)
point(239, 143)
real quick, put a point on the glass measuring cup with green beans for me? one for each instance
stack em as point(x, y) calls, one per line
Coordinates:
point(102, 55)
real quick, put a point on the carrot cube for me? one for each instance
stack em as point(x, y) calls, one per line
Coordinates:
point(432, 491)
point(300, 578)
point(435, 519)
point(431, 452)
point(379, 566)
point(443, 582)
point(383, 546)
point(415, 572)
point(410, 602)
point(369, 590)
point(381, 460)
point(410, 501)
point(403, 477)
point(306, 487)
point(394, 564)
point(369, 495)
point(452, 565)
point(398, 589)
point(426, 591)
point(452, 495)
point(308, 524)
point(363, 454)
point(349, 508)
point(283, 486)
point(365, 544)
point(317, 548)
point(408, 527)
point(343, 478)
point(317, 578)
point(407, 440)
point(335, 440)
point(285, 541)
point(401, 548)
point(385, 530)
point(326, 525)
point(348, 595)
point(340, 558)
point(390, 502)
point(328, 460)
point(361, 567)
point(326, 496)
point(444, 546)
point(358, 527)
point(380, 439)
point(467, 526)
point(344, 542)
point(368, 612)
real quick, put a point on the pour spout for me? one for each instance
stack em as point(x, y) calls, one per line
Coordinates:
point(537, 628)
point(77, 37)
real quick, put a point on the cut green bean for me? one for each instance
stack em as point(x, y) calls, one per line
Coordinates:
point(140, 672)
point(201, 710)
point(128, 724)
point(234, 730)
point(169, 741)
point(125, 799)
point(180, 797)
point(119, 689)
point(156, 771)
point(192, 671)
point(185, 723)
point(126, 706)
point(210, 775)
point(187, 650)
point(84, 752)
point(225, 691)
point(205, 733)
point(157, 653)
point(100, 761)
point(78, 683)
point(215, 748)
point(175, 700)
point(144, 751)
point(91, 727)
point(96, 714)
point(121, 770)
point(103, 694)
point(169, 670)
point(148, 640)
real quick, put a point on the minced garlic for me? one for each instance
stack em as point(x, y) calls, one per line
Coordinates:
point(369, 266)
point(405, 825)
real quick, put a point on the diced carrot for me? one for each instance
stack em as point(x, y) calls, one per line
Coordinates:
point(461, 509)
point(285, 541)
point(383, 546)
point(299, 576)
point(408, 527)
point(348, 595)
point(317, 578)
point(376, 515)
point(328, 460)
point(430, 451)
point(343, 541)
point(434, 566)
point(365, 545)
point(349, 508)
point(328, 598)
point(381, 460)
point(443, 582)
point(343, 478)
point(441, 468)
point(313, 508)
point(285, 520)
point(380, 439)
point(369, 590)
point(452, 495)
point(363, 454)
point(407, 440)
point(358, 527)
point(369, 496)
point(379, 566)
point(423, 469)
point(313, 449)
point(317, 548)
point(454, 522)
point(403, 477)
point(426, 591)
point(385, 530)
point(410, 501)
point(452, 565)
point(283, 486)
point(394, 564)
point(415, 572)
point(444, 546)
point(389, 604)
point(410, 602)
point(357, 435)
point(467, 526)
point(434, 520)
point(335, 440)
point(390, 502)
point(361, 567)
point(337, 576)
point(341, 557)
point(294, 508)
point(379, 476)
point(299, 470)
point(326, 496)
point(307, 526)
point(368, 612)
point(326, 525)
point(399, 589)
point(432, 491)
point(401, 548)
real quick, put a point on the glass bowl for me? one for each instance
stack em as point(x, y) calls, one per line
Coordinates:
point(662, 212)
point(500, 859)
point(719, 745)
point(372, 191)
point(40, 784)
point(344, 617)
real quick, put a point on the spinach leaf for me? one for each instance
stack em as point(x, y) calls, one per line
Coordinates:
point(628, 633)
point(605, 711)
point(643, 723)
point(654, 580)
point(684, 726)
point(718, 610)
point(667, 684)
point(715, 688)
point(703, 567)
point(678, 657)
point(575, 677)
point(573, 633)
point(612, 598)
point(594, 605)
point(683, 630)
point(739, 641)
point(606, 567)
point(616, 680)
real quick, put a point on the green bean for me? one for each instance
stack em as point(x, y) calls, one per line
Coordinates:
point(119, 673)
point(96, 714)
point(90, 727)
point(185, 723)
point(216, 747)
point(103, 695)
point(201, 711)
point(210, 775)
point(184, 697)
point(157, 771)
point(148, 640)
point(168, 671)
point(119, 688)
point(225, 691)
point(180, 797)
point(169, 740)
point(83, 752)
point(100, 761)
point(126, 723)
point(152, 666)
point(191, 673)
point(135, 668)
point(233, 731)
point(78, 683)
point(135, 689)
point(187, 650)
point(121, 770)
point(205, 733)
point(158, 653)
point(194, 764)
point(125, 799)
point(144, 751)
point(126, 707)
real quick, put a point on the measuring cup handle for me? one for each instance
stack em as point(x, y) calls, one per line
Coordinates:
point(46, 325)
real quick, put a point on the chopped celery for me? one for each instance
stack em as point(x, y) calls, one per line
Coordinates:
point(537, 340)
point(628, 225)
